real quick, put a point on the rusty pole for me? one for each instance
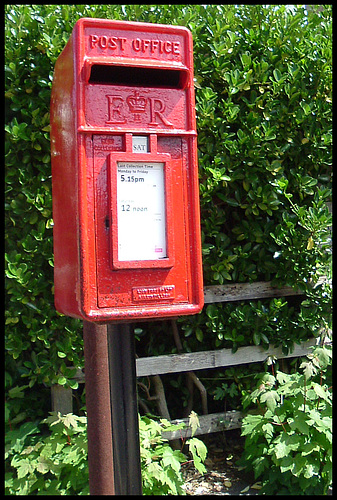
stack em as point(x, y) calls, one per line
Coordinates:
point(97, 387)
point(111, 401)
point(124, 410)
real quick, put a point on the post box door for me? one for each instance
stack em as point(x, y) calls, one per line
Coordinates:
point(136, 276)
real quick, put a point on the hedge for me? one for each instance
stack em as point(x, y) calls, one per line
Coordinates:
point(263, 79)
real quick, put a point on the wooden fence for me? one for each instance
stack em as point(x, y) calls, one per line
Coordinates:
point(190, 362)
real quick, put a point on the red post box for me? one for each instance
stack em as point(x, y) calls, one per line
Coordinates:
point(124, 173)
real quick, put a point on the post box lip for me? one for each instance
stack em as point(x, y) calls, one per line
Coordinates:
point(135, 62)
point(140, 313)
point(89, 62)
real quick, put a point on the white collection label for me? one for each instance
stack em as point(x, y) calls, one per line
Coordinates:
point(141, 211)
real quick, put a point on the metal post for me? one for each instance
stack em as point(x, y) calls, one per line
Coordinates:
point(124, 414)
point(101, 479)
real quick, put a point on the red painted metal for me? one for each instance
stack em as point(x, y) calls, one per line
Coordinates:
point(114, 81)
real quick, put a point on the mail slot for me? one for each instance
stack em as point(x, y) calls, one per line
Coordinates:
point(127, 240)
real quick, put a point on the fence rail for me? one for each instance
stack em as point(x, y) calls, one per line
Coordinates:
point(246, 291)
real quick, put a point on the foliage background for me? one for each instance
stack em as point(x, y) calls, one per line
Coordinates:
point(263, 78)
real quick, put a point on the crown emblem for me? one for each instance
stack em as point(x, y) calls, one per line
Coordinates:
point(137, 104)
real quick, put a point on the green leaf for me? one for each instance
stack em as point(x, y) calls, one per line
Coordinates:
point(245, 60)
point(281, 450)
point(73, 384)
point(25, 468)
point(251, 424)
point(286, 463)
point(309, 448)
point(256, 338)
point(43, 465)
point(268, 431)
point(70, 420)
point(199, 334)
point(270, 398)
point(300, 463)
point(199, 451)
point(310, 470)
point(308, 369)
point(170, 459)
point(299, 423)
point(193, 422)
point(17, 392)
point(277, 75)
point(321, 391)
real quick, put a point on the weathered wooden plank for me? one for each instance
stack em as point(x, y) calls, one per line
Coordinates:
point(61, 399)
point(214, 422)
point(176, 363)
point(79, 376)
point(246, 291)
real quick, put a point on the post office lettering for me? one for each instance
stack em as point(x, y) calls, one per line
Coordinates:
point(107, 42)
point(155, 46)
point(138, 45)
